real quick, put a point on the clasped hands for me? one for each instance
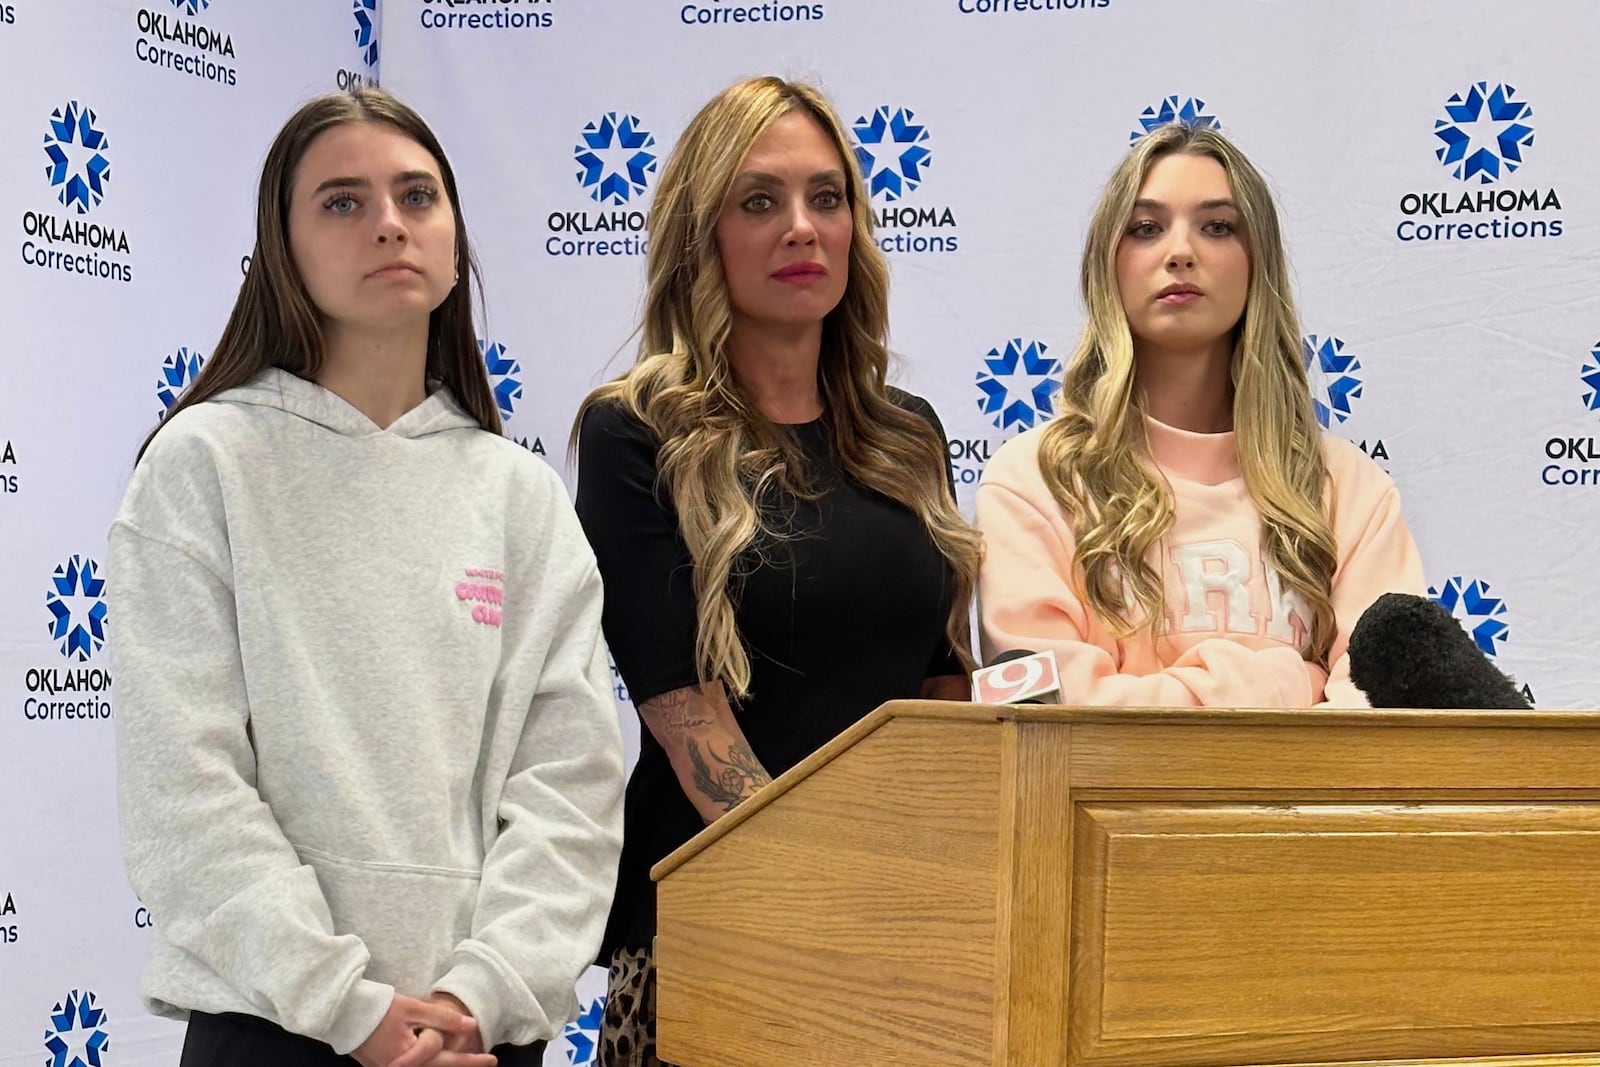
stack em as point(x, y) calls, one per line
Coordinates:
point(436, 1032)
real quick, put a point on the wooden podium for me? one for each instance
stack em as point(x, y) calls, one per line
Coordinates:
point(1032, 886)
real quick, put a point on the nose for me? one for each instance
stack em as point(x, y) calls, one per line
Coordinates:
point(802, 230)
point(390, 224)
point(1180, 249)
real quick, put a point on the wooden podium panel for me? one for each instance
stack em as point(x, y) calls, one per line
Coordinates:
point(950, 883)
point(880, 875)
point(1221, 933)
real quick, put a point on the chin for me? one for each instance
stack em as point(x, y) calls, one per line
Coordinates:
point(409, 304)
point(795, 316)
point(389, 316)
point(1171, 334)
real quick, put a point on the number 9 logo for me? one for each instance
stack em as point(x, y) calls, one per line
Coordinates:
point(1016, 679)
point(1018, 676)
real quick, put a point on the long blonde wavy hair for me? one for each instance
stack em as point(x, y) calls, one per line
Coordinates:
point(720, 456)
point(1093, 457)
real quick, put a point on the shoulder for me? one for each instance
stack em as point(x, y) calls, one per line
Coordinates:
point(1354, 476)
point(618, 470)
point(609, 422)
point(617, 453)
point(1015, 464)
point(192, 446)
point(908, 401)
point(234, 426)
point(216, 425)
point(1012, 476)
point(493, 451)
point(915, 405)
point(1013, 504)
point(1361, 496)
point(179, 488)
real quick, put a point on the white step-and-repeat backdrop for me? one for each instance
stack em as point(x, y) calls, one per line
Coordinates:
point(1434, 162)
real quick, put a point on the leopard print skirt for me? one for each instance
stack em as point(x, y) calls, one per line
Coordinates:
point(628, 1028)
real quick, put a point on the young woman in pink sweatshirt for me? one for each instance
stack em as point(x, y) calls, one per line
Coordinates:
point(1184, 534)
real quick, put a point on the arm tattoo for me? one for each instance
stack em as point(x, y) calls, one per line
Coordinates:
point(673, 713)
point(738, 774)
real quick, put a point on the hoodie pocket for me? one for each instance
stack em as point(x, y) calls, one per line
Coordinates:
point(410, 916)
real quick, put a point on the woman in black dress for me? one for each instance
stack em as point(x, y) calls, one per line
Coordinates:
point(774, 525)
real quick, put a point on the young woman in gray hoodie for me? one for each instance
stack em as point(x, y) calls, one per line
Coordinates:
point(369, 765)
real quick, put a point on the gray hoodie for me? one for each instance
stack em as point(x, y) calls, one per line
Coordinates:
point(366, 739)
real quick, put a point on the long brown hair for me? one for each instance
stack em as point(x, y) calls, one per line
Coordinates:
point(275, 324)
point(719, 454)
point(1092, 456)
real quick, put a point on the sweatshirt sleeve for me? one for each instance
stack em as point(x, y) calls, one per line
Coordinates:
point(1377, 556)
point(203, 850)
point(1026, 601)
point(549, 874)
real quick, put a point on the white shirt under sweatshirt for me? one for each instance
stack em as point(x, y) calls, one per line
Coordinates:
point(366, 736)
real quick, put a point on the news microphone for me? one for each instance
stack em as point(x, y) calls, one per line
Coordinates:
point(1018, 677)
point(1408, 652)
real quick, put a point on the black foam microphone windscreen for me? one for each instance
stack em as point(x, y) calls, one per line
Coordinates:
point(1408, 652)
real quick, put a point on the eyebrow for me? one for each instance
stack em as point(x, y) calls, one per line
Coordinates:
point(362, 183)
point(1204, 205)
point(762, 176)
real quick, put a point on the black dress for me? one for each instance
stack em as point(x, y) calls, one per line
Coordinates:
point(844, 612)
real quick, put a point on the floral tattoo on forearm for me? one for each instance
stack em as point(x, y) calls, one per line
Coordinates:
point(737, 774)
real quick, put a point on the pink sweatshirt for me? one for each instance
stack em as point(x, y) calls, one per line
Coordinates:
point(1234, 632)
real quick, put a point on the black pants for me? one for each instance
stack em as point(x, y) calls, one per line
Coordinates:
point(231, 1040)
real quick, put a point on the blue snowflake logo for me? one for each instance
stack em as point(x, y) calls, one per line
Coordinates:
point(76, 1036)
point(1482, 615)
point(191, 7)
point(178, 372)
point(82, 187)
point(1484, 133)
point(505, 376)
point(1591, 379)
point(1019, 384)
point(76, 600)
point(1189, 110)
point(616, 158)
point(1334, 381)
point(366, 13)
point(583, 1034)
point(891, 150)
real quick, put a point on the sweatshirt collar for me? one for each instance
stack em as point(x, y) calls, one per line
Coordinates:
point(277, 388)
point(1206, 458)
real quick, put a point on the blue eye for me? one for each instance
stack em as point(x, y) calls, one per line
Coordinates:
point(341, 204)
point(1143, 228)
point(421, 196)
point(829, 198)
point(757, 202)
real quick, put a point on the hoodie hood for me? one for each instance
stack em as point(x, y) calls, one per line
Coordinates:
point(277, 388)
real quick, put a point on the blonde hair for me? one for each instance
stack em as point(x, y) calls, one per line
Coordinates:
point(1093, 456)
point(720, 457)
